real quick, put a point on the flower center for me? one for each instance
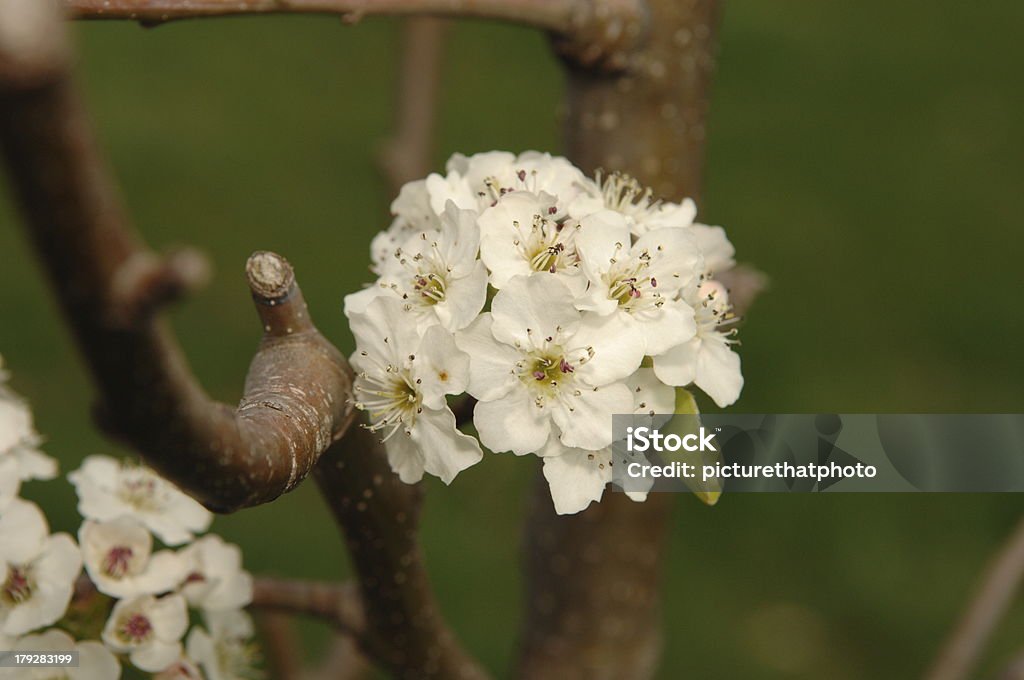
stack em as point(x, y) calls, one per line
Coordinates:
point(547, 245)
point(136, 628)
point(139, 489)
point(117, 562)
point(714, 311)
point(238, 659)
point(18, 587)
point(428, 275)
point(630, 285)
point(391, 396)
point(624, 194)
point(548, 370)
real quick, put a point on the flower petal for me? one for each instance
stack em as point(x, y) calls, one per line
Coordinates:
point(512, 423)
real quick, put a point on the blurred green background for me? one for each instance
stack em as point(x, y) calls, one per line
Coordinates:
point(869, 156)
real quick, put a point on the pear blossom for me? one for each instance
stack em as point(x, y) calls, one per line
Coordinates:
point(224, 648)
point(148, 629)
point(119, 558)
point(412, 213)
point(37, 570)
point(718, 251)
point(108, 489)
point(214, 577)
point(95, 662)
point(401, 382)
point(19, 440)
point(435, 273)
point(577, 477)
point(624, 194)
point(641, 281)
point(539, 368)
point(707, 360)
point(520, 234)
point(478, 181)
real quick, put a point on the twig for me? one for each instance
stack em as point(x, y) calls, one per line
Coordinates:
point(596, 31)
point(407, 154)
point(986, 608)
point(281, 646)
point(343, 661)
point(334, 603)
point(110, 287)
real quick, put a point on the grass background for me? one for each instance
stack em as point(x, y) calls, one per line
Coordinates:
point(869, 156)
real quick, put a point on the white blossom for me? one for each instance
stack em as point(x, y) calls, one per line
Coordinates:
point(577, 477)
point(635, 202)
point(478, 181)
point(401, 382)
point(434, 272)
point(412, 213)
point(119, 558)
point(641, 281)
point(148, 629)
point(214, 578)
point(19, 440)
point(539, 367)
point(95, 662)
point(707, 360)
point(521, 235)
point(37, 570)
point(224, 648)
point(108, 489)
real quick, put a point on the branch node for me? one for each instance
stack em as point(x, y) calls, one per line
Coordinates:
point(145, 282)
point(271, 277)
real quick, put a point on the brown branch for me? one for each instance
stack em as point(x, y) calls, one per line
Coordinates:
point(110, 285)
point(596, 30)
point(407, 154)
point(379, 514)
point(998, 587)
point(281, 647)
point(593, 578)
point(334, 603)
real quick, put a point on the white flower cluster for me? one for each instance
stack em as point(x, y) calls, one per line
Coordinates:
point(601, 301)
point(146, 594)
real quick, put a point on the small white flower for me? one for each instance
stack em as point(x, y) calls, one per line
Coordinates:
point(641, 281)
point(108, 489)
point(226, 650)
point(19, 440)
point(412, 213)
point(577, 477)
point(435, 273)
point(623, 194)
point(37, 570)
point(477, 182)
point(148, 629)
point(119, 559)
point(539, 367)
point(706, 360)
point(95, 662)
point(521, 234)
point(214, 577)
point(401, 382)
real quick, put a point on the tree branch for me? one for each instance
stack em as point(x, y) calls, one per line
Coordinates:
point(406, 156)
point(995, 592)
point(380, 517)
point(595, 30)
point(593, 578)
point(110, 286)
point(334, 603)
